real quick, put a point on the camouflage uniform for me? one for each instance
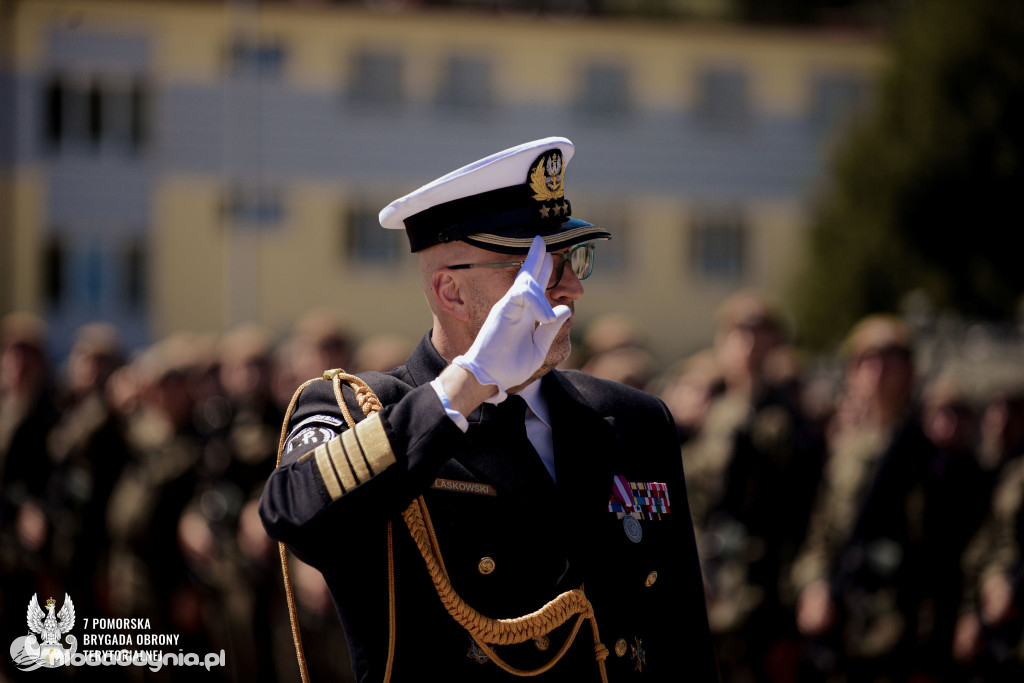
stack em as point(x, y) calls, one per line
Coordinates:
point(752, 469)
point(864, 549)
point(864, 540)
point(995, 558)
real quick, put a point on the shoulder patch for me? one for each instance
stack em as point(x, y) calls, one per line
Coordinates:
point(312, 432)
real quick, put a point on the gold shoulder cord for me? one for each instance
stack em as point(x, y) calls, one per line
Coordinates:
point(485, 631)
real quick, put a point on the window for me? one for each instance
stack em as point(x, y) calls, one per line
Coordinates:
point(376, 79)
point(723, 98)
point(138, 101)
point(604, 92)
point(76, 123)
point(135, 275)
point(466, 84)
point(366, 242)
point(718, 244)
point(261, 58)
point(254, 207)
point(93, 275)
point(88, 276)
point(54, 108)
point(95, 111)
point(53, 275)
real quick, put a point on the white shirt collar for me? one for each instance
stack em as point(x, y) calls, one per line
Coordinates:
point(538, 425)
point(535, 401)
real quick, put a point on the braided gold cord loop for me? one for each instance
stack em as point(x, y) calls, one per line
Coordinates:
point(368, 401)
point(489, 630)
point(289, 592)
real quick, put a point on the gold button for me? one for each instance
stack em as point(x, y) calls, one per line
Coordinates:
point(542, 643)
point(651, 578)
point(621, 647)
point(485, 565)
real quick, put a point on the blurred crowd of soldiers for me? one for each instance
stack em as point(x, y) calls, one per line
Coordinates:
point(865, 528)
point(132, 484)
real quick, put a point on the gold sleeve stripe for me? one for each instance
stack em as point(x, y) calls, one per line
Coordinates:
point(348, 480)
point(355, 454)
point(327, 472)
point(375, 444)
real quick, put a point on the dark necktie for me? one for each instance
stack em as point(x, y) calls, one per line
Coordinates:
point(510, 415)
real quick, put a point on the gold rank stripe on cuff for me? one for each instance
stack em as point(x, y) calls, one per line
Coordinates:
point(340, 462)
point(353, 457)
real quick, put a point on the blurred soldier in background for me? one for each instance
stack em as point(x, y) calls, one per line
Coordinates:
point(240, 570)
point(957, 492)
point(26, 414)
point(615, 350)
point(87, 450)
point(989, 640)
point(1002, 428)
point(688, 388)
point(751, 474)
point(858, 574)
point(380, 353)
point(255, 420)
point(323, 342)
point(318, 341)
point(987, 644)
point(155, 552)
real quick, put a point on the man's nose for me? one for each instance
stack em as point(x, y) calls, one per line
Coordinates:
point(568, 288)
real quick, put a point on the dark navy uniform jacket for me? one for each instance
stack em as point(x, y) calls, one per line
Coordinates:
point(511, 538)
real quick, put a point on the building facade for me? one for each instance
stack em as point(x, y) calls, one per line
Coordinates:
point(190, 166)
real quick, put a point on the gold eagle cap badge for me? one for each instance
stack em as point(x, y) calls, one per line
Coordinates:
point(547, 177)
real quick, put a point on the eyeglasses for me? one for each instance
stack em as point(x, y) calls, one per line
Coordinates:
point(580, 258)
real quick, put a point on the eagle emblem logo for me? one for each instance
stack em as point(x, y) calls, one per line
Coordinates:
point(43, 644)
point(547, 177)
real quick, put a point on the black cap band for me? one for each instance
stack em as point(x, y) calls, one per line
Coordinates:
point(475, 214)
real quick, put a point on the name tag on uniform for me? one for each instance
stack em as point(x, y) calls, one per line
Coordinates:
point(473, 487)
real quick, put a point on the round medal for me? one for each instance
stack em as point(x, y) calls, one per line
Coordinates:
point(634, 531)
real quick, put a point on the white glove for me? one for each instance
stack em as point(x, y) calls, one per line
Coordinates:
point(516, 336)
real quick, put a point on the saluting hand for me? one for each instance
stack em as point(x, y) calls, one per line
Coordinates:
point(517, 334)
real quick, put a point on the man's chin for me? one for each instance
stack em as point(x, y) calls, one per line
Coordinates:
point(559, 352)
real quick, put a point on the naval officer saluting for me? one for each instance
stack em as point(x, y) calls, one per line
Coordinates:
point(550, 534)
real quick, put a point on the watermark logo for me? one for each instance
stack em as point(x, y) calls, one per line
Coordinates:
point(42, 646)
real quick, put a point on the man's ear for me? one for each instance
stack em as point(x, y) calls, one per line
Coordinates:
point(448, 294)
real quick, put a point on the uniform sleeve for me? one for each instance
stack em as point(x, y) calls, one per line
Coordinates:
point(331, 476)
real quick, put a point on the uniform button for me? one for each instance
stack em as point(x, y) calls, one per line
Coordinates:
point(651, 578)
point(542, 643)
point(485, 565)
point(621, 647)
